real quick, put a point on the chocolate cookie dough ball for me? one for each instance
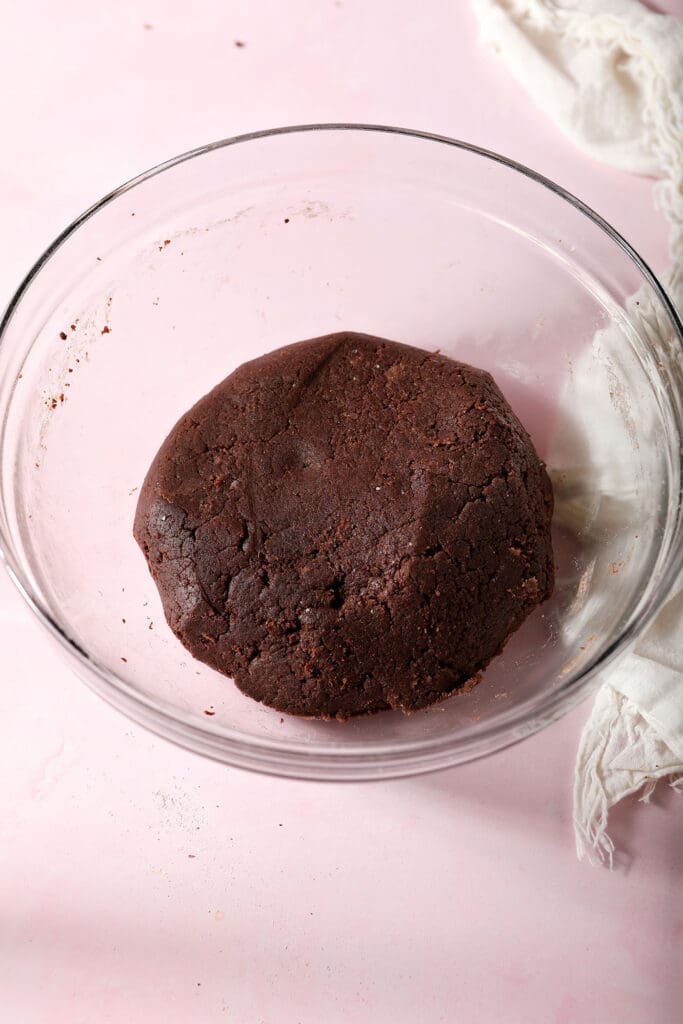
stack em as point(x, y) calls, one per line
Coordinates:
point(348, 524)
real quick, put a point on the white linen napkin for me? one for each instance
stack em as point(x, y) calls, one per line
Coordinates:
point(610, 73)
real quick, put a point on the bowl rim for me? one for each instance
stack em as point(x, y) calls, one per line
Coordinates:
point(295, 758)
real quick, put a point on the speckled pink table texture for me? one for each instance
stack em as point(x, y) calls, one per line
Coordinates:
point(141, 883)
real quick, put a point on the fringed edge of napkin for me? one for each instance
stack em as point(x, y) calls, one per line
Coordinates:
point(615, 723)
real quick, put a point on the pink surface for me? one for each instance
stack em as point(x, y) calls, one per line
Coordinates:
point(140, 883)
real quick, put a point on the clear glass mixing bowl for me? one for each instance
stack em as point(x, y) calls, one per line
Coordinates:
point(167, 284)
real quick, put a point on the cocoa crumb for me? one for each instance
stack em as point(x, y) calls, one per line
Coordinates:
point(207, 712)
point(286, 220)
point(240, 44)
point(124, 659)
point(73, 327)
point(105, 330)
point(62, 335)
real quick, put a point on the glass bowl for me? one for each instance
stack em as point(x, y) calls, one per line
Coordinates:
point(166, 285)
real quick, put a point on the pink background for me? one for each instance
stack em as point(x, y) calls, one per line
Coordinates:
point(141, 883)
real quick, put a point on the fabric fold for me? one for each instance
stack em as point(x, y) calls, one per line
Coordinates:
point(610, 74)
